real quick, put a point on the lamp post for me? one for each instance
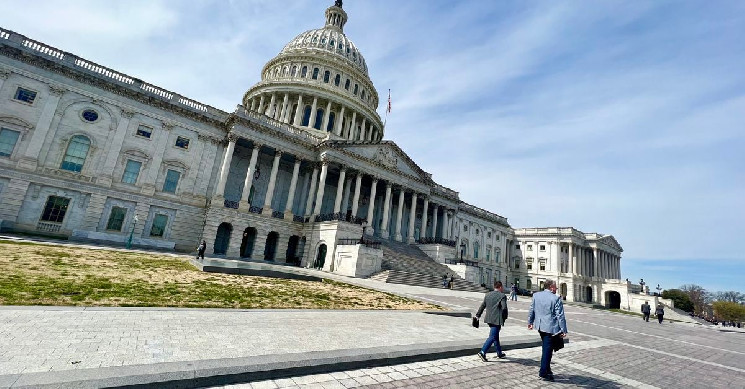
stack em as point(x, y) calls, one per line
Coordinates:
point(129, 241)
point(364, 227)
point(658, 289)
point(641, 282)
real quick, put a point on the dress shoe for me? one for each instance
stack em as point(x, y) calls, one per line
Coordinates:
point(482, 356)
point(548, 377)
point(501, 355)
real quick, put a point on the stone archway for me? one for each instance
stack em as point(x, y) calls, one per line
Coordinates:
point(270, 249)
point(247, 244)
point(222, 238)
point(613, 300)
point(320, 257)
point(563, 290)
point(588, 294)
point(292, 250)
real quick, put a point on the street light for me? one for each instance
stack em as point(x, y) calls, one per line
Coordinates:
point(658, 289)
point(641, 282)
point(129, 241)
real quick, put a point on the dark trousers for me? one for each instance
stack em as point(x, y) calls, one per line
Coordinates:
point(646, 316)
point(492, 339)
point(659, 318)
point(200, 253)
point(546, 355)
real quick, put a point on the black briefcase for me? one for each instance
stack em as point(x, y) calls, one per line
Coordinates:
point(557, 342)
point(475, 322)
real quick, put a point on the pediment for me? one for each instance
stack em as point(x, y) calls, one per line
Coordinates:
point(612, 242)
point(387, 154)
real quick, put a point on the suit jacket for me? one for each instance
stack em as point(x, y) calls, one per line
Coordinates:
point(547, 313)
point(493, 311)
point(646, 308)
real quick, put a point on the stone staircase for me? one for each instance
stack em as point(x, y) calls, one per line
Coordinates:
point(407, 264)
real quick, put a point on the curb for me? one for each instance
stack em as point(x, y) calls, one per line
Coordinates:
point(202, 373)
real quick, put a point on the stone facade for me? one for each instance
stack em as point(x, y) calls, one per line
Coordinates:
point(301, 166)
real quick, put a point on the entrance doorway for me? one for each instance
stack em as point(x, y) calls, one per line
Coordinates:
point(270, 250)
point(292, 246)
point(613, 300)
point(563, 290)
point(222, 239)
point(247, 244)
point(320, 257)
point(588, 294)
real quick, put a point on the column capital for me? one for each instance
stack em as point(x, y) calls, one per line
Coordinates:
point(127, 114)
point(168, 126)
point(4, 74)
point(375, 179)
point(278, 153)
point(56, 90)
point(232, 136)
point(257, 145)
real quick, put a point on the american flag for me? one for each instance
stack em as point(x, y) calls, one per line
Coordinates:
point(389, 102)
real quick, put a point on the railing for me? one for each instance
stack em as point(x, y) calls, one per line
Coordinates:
point(373, 244)
point(156, 91)
point(266, 120)
point(298, 218)
point(104, 71)
point(462, 262)
point(446, 242)
point(340, 216)
point(48, 227)
point(255, 209)
point(44, 49)
point(231, 204)
point(278, 214)
point(4, 34)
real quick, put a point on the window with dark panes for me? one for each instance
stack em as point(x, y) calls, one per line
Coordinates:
point(171, 182)
point(25, 95)
point(8, 140)
point(144, 132)
point(55, 209)
point(182, 142)
point(159, 225)
point(131, 172)
point(77, 151)
point(116, 218)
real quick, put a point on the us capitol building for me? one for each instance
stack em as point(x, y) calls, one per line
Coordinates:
point(299, 173)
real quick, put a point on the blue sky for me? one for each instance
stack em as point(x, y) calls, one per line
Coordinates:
point(623, 118)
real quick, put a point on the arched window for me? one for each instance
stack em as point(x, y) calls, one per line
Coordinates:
point(315, 73)
point(293, 73)
point(363, 95)
point(276, 72)
point(319, 119)
point(77, 151)
point(337, 80)
point(356, 89)
point(346, 84)
point(284, 71)
point(306, 116)
point(326, 76)
point(330, 127)
point(332, 43)
point(304, 72)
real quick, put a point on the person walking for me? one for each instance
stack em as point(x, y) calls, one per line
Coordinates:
point(513, 292)
point(495, 304)
point(452, 282)
point(659, 312)
point(201, 248)
point(547, 315)
point(646, 310)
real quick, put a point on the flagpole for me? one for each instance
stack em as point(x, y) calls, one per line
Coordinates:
point(387, 108)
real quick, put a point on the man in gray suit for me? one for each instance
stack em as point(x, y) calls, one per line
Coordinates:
point(547, 314)
point(495, 303)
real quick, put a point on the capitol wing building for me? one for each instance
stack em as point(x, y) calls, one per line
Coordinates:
point(299, 174)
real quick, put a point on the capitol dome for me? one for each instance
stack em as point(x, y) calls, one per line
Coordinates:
point(319, 83)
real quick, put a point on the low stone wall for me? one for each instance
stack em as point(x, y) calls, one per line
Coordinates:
point(438, 252)
point(84, 236)
point(357, 260)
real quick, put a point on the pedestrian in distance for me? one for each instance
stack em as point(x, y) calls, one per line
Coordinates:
point(513, 292)
point(201, 248)
point(546, 314)
point(444, 280)
point(452, 281)
point(659, 312)
point(646, 310)
point(495, 304)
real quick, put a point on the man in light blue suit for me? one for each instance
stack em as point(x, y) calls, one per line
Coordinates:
point(547, 315)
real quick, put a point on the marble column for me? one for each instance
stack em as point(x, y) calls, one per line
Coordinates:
point(386, 210)
point(272, 182)
point(594, 263)
point(572, 262)
point(425, 218)
point(313, 109)
point(248, 183)
point(291, 193)
point(339, 122)
point(347, 193)
point(371, 209)
point(270, 107)
point(299, 112)
point(435, 210)
point(353, 126)
point(311, 191)
point(321, 187)
point(326, 115)
point(220, 190)
point(340, 190)
point(361, 135)
point(412, 217)
point(356, 197)
point(399, 215)
point(261, 104)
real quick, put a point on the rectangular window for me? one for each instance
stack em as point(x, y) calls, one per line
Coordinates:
point(496, 256)
point(530, 247)
point(131, 172)
point(182, 142)
point(116, 218)
point(542, 247)
point(55, 209)
point(171, 182)
point(543, 265)
point(487, 256)
point(517, 246)
point(530, 265)
point(144, 132)
point(25, 95)
point(159, 225)
point(8, 140)
point(517, 263)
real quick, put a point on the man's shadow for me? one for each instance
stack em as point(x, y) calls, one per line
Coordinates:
point(567, 379)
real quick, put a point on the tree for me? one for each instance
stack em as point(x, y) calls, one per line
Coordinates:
point(729, 311)
point(680, 299)
point(731, 296)
point(698, 296)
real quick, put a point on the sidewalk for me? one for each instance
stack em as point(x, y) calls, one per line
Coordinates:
point(74, 347)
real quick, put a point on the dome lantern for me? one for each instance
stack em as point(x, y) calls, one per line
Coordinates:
point(336, 17)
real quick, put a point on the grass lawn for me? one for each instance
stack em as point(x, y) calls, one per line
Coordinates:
point(40, 274)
